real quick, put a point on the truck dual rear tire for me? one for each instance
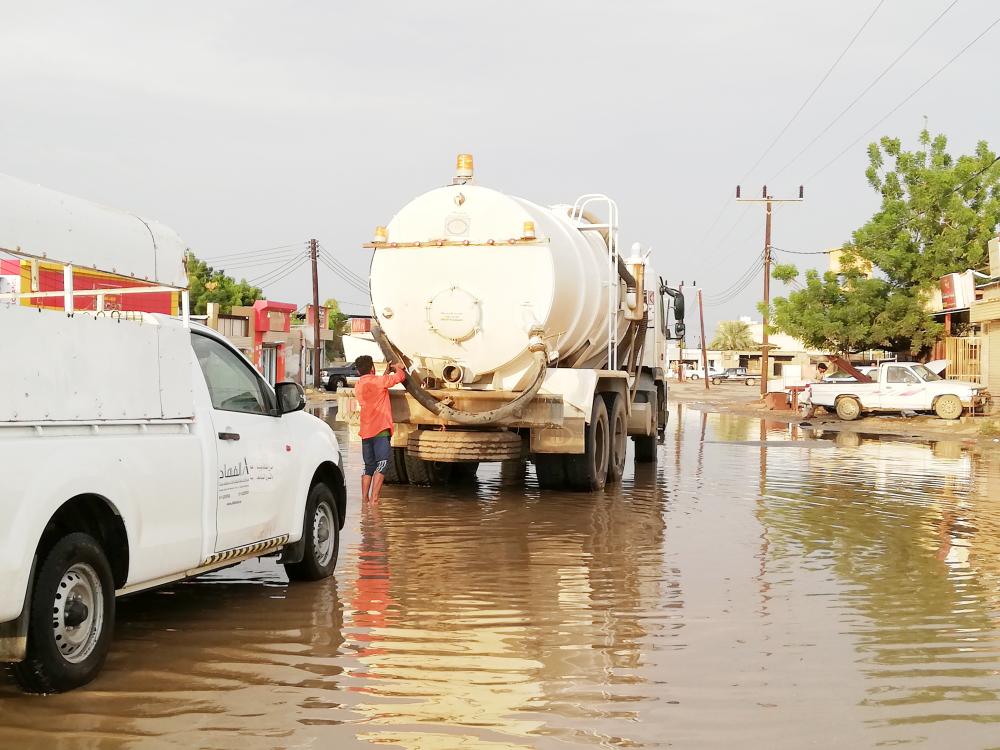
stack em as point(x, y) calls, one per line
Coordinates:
point(426, 473)
point(588, 471)
point(71, 617)
point(618, 433)
point(321, 532)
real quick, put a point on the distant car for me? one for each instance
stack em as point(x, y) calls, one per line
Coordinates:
point(700, 373)
point(337, 377)
point(736, 374)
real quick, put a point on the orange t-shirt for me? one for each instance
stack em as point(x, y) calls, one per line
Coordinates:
point(372, 393)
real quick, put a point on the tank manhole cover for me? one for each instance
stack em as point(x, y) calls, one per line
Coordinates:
point(454, 314)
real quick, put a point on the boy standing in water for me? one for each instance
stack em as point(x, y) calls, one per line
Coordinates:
point(372, 392)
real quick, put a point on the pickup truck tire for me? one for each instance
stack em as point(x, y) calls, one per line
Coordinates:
point(848, 408)
point(71, 620)
point(751, 381)
point(694, 377)
point(716, 381)
point(321, 531)
point(588, 471)
point(948, 406)
point(335, 382)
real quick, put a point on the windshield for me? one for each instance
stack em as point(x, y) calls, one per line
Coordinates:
point(926, 374)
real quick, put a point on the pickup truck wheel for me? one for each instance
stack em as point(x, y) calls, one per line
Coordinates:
point(716, 381)
point(948, 406)
point(751, 381)
point(848, 408)
point(321, 530)
point(71, 620)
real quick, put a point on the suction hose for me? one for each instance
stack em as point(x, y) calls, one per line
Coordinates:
point(440, 409)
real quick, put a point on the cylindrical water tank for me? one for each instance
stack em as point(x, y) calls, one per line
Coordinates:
point(462, 281)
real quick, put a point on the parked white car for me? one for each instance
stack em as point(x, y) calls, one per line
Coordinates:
point(900, 386)
point(699, 373)
point(136, 453)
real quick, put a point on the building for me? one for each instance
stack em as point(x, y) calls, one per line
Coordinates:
point(266, 332)
point(984, 312)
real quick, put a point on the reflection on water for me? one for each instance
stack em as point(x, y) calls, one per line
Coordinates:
point(760, 586)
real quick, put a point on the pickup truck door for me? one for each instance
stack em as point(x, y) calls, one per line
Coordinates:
point(252, 465)
point(900, 388)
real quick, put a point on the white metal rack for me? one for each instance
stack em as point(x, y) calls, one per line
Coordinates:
point(69, 294)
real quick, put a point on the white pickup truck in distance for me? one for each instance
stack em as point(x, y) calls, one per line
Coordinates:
point(900, 386)
point(135, 453)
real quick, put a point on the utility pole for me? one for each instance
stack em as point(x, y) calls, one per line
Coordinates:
point(317, 342)
point(704, 346)
point(768, 201)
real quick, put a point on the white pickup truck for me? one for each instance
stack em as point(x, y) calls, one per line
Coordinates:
point(899, 386)
point(137, 452)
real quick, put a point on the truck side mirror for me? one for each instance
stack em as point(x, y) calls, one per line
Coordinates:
point(677, 298)
point(291, 397)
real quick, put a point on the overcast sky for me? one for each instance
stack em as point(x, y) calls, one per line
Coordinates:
point(249, 125)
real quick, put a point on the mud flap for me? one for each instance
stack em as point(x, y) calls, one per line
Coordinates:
point(14, 634)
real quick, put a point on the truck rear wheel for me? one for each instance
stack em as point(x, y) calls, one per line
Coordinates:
point(426, 473)
point(588, 471)
point(645, 445)
point(395, 470)
point(618, 432)
point(848, 408)
point(464, 471)
point(550, 469)
point(321, 531)
point(71, 617)
point(948, 406)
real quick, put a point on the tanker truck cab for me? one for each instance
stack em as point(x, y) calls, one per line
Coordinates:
point(137, 450)
point(526, 334)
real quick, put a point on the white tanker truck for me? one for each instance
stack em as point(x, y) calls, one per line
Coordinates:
point(524, 333)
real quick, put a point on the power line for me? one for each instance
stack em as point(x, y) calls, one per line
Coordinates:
point(252, 252)
point(815, 89)
point(802, 252)
point(346, 279)
point(866, 89)
point(739, 285)
point(280, 277)
point(909, 96)
point(256, 264)
point(290, 265)
point(332, 259)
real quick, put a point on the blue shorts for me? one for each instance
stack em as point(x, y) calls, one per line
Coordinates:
point(376, 452)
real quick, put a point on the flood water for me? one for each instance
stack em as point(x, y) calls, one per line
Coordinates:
point(753, 588)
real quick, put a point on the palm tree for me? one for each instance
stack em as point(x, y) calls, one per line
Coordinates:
point(733, 335)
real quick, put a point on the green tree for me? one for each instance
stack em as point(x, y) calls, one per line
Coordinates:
point(733, 335)
point(337, 321)
point(936, 215)
point(207, 284)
